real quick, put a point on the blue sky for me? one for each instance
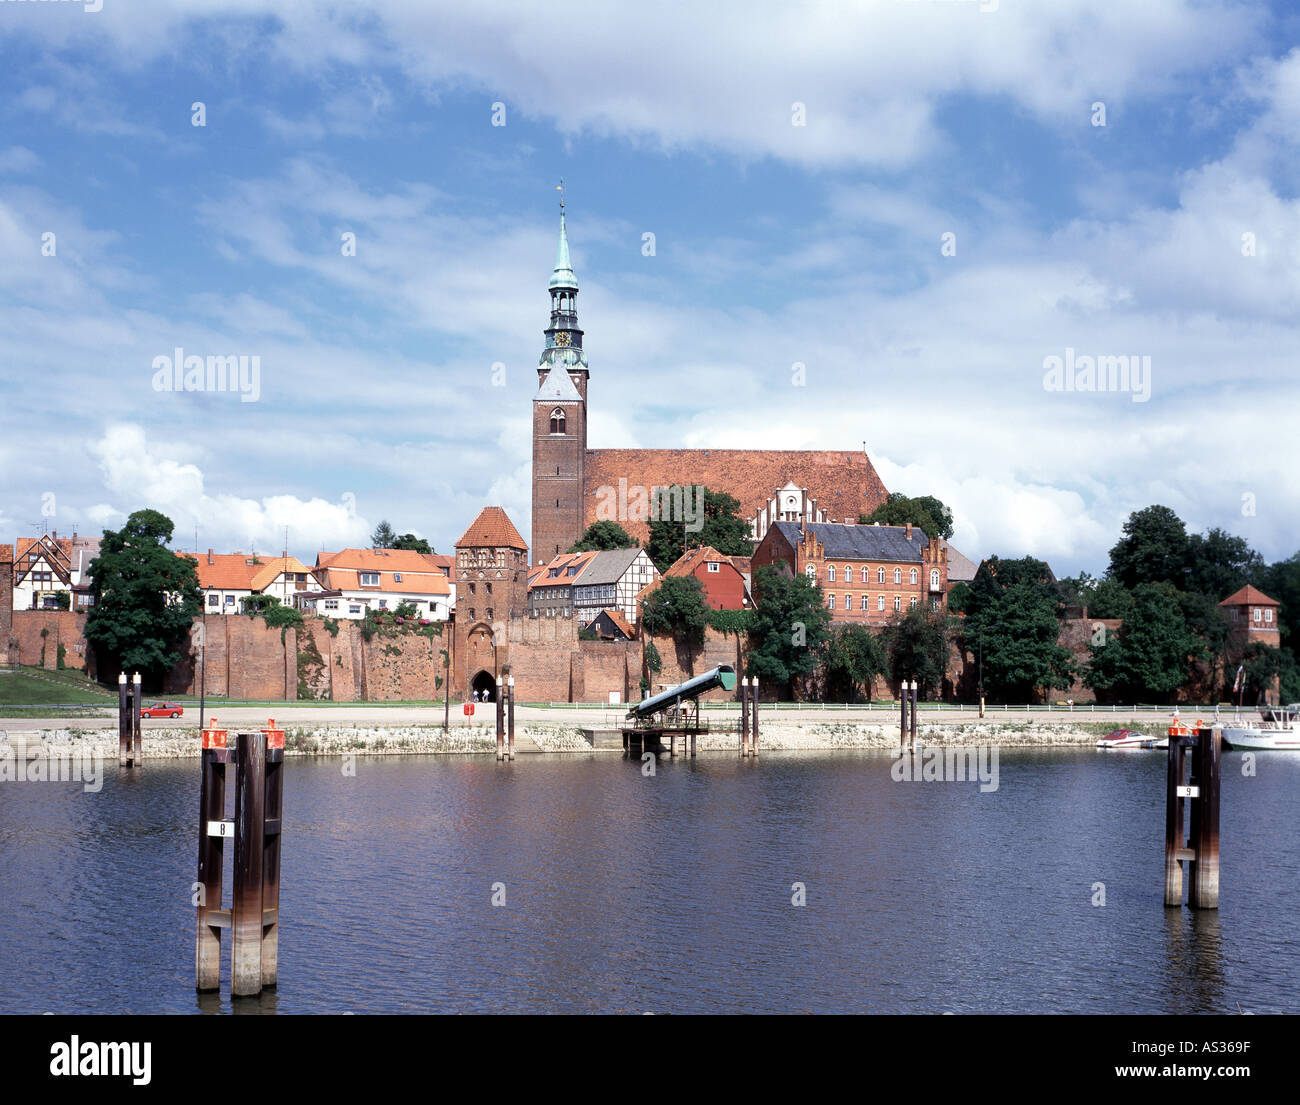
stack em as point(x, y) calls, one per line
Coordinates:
point(775, 244)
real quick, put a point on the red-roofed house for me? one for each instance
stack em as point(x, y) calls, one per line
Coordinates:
point(1252, 616)
point(355, 581)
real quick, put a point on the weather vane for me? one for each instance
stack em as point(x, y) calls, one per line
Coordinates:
point(560, 188)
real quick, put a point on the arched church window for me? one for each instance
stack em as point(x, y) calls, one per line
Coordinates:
point(557, 420)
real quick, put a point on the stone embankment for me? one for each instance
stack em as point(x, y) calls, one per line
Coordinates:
point(326, 740)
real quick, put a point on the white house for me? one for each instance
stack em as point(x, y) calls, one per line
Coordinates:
point(355, 581)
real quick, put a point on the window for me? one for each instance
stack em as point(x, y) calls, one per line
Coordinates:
point(880, 575)
point(880, 602)
point(811, 571)
point(1256, 613)
point(911, 603)
point(866, 602)
point(934, 605)
point(214, 600)
point(830, 600)
point(1268, 615)
point(898, 575)
point(830, 573)
point(230, 600)
point(383, 604)
point(866, 574)
point(397, 577)
point(331, 604)
point(714, 566)
point(557, 420)
point(369, 579)
point(934, 578)
point(848, 573)
point(354, 609)
point(911, 577)
point(898, 602)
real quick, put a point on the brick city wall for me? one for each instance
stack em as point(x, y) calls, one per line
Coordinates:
point(6, 602)
point(680, 663)
point(26, 645)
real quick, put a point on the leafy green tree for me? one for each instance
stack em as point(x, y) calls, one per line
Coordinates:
point(1263, 664)
point(789, 628)
point(852, 659)
point(925, 511)
point(1220, 563)
point(1021, 631)
point(600, 536)
point(146, 597)
point(1110, 599)
point(1149, 658)
point(722, 528)
point(677, 606)
point(1281, 581)
point(916, 643)
point(996, 575)
point(959, 597)
point(383, 537)
point(412, 543)
point(1154, 549)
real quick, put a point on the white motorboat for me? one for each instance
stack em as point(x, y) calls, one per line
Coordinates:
point(1277, 730)
point(1130, 738)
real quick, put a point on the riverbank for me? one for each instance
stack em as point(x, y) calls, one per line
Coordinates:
point(341, 740)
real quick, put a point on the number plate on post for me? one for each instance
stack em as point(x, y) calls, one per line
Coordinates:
point(1189, 792)
point(221, 828)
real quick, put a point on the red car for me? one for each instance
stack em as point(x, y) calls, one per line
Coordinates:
point(162, 709)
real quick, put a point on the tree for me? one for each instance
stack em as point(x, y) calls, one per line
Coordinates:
point(1154, 549)
point(1282, 582)
point(789, 628)
point(1219, 563)
point(925, 511)
point(604, 535)
point(677, 607)
point(722, 528)
point(1263, 664)
point(916, 643)
point(1020, 643)
point(852, 659)
point(146, 597)
point(411, 543)
point(995, 576)
point(1149, 657)
point(1110, 599)
point(383, 537)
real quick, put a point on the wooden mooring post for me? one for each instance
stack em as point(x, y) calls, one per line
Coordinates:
point(1201, 851)
point(913, 738)
point(123, 722)
point(136, 706)
point(254, 916)
point(753, 716)
point(501, 722)
point(510, 711)
point(744, 715)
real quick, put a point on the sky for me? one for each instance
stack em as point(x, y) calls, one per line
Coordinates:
point(909, 223)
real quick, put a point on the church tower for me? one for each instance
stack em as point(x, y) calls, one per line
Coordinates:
point(560, 419)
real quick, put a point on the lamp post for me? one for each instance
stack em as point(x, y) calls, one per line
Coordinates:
point(995, 625)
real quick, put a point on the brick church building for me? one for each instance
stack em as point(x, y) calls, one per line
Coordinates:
point(574, 486)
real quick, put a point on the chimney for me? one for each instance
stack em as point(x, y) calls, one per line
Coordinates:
point(209, 556)
point(909, 531)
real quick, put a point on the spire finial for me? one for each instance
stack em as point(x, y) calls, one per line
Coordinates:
point(560, 188)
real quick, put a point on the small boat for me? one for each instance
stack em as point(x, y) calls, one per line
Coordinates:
point(1277, 730)
point(1131, 738)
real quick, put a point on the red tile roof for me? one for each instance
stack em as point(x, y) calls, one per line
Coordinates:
point(492, 529)
point(1249, 596)
point(620, 622)
point(844, 483)
point(540, 575)
point(227, 572)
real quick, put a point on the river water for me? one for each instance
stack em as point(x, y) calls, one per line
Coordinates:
point(671, 893)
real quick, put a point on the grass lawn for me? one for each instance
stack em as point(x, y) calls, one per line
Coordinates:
point(32, 686)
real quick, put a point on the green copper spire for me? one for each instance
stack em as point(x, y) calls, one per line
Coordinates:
point(563, 276)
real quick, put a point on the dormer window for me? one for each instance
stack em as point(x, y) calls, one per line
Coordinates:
point(369, 579)
point(557, 420)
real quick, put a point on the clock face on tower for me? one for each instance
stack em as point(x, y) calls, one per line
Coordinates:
point(562, 338)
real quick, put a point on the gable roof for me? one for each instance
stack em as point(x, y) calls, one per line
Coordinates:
point(540, 575)
point(427, 582)
point(617, 620)
point(844, 483)
point(691, 559)
point(888, 543)
point(1249, 596)
point(381, 560)
point(227, 572)
point(558, 387)
point(607, 566)
point(961, 568)
point(492, 528)
point(270, 571)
